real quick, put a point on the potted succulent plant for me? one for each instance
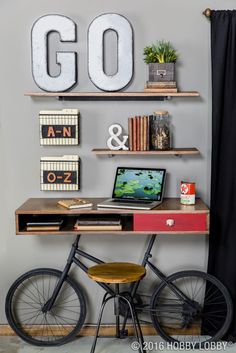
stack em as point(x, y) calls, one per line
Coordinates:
point(161, 58)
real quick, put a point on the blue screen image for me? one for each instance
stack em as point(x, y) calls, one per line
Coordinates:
point(139, 184)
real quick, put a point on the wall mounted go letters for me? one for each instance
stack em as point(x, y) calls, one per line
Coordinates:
point(66, 28)
point(60, 173)
point(59, 127)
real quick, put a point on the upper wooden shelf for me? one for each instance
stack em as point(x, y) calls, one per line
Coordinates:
point(172, 152)
point(112, 96)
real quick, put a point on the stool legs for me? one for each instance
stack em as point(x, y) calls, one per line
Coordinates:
point(117, 310)
point(134, 316)
point(136, 323)
point(104, 301)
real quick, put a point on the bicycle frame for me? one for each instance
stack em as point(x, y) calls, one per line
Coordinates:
point(73, 258)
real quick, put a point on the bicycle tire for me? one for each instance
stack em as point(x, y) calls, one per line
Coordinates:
point(23, 287)
point(162, 327)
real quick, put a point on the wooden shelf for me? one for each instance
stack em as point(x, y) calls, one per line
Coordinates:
point(112, 96)
point(173, 152)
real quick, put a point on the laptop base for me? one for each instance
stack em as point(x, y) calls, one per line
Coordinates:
point(111, 203)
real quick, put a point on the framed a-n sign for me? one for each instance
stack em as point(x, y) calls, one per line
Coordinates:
point(60, 173)
point(59, 127)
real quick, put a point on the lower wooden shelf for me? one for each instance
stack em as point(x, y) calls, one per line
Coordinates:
point(172, 152)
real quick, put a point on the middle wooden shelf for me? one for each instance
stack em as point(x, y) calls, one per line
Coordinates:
point(172, 152)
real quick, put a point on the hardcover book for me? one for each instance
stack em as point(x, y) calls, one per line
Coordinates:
point(75, 203)
point(161, 90)
point(138, 132)
point(167, 84)
point(93, 219)
point(134, 135)
point(97, 227)
point(130, 130)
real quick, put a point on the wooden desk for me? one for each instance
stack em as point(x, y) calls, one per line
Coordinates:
point(184, 219)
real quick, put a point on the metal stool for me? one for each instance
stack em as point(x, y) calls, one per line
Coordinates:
point(118, 272)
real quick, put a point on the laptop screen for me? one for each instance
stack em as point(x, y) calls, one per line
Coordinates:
point(139, 184)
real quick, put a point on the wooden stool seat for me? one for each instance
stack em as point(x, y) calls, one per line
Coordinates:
point(116, 272)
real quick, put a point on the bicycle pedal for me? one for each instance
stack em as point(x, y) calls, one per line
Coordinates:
point(123, 333)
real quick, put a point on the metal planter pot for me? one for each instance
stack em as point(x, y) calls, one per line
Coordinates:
point(161, 72)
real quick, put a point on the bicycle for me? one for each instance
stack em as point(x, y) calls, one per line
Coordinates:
point(187, 306)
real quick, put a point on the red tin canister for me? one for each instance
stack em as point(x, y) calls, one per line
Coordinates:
point(187, 193)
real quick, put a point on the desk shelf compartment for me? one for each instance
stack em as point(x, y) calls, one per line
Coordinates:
point(67, 226)
point(23, 219)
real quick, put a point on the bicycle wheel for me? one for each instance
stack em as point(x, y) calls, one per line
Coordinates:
point(26, 298)
point(202, 315)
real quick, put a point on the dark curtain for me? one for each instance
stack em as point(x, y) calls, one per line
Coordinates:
point(222, 250)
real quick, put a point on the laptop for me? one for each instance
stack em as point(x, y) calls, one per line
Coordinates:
point(137, 188)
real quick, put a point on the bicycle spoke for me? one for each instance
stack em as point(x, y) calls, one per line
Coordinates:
point(69, 301)
point(64, 326)
point(65, 317)
point(28, 296)
point(22, 301)
point(39, 293)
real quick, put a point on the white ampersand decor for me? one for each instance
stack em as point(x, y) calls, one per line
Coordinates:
point(115, 132)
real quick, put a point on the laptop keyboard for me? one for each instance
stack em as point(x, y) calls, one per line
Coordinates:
point(132, 201)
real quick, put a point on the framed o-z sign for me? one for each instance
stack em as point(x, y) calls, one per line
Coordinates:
point(59, 127)
point(60, 173)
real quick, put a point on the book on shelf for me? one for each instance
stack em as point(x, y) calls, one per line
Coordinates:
point(160, 90)
point(144, 135)
point(130, 129)
point(134, 135)
point(139, 133)
point(39, 224)
point(42, 228)
point(42, 223)
point(93, 219)
point(72, 204)
point(97, 227)
point(141, 145)
point(148, 119)
point(98, 222)
point(167, 84)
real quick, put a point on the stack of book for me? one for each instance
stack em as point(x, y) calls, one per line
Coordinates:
point(139, 136)
point(97, 222)
point(44, 225)
point(161, 87)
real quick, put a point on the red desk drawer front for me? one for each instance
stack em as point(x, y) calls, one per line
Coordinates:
point(171, 222)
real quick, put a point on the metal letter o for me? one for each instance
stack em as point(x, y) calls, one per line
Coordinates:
point(124, 31)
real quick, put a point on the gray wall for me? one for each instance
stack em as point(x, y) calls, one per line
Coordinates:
point(180, 22)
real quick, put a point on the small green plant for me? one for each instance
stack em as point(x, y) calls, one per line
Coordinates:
point(161, 52)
